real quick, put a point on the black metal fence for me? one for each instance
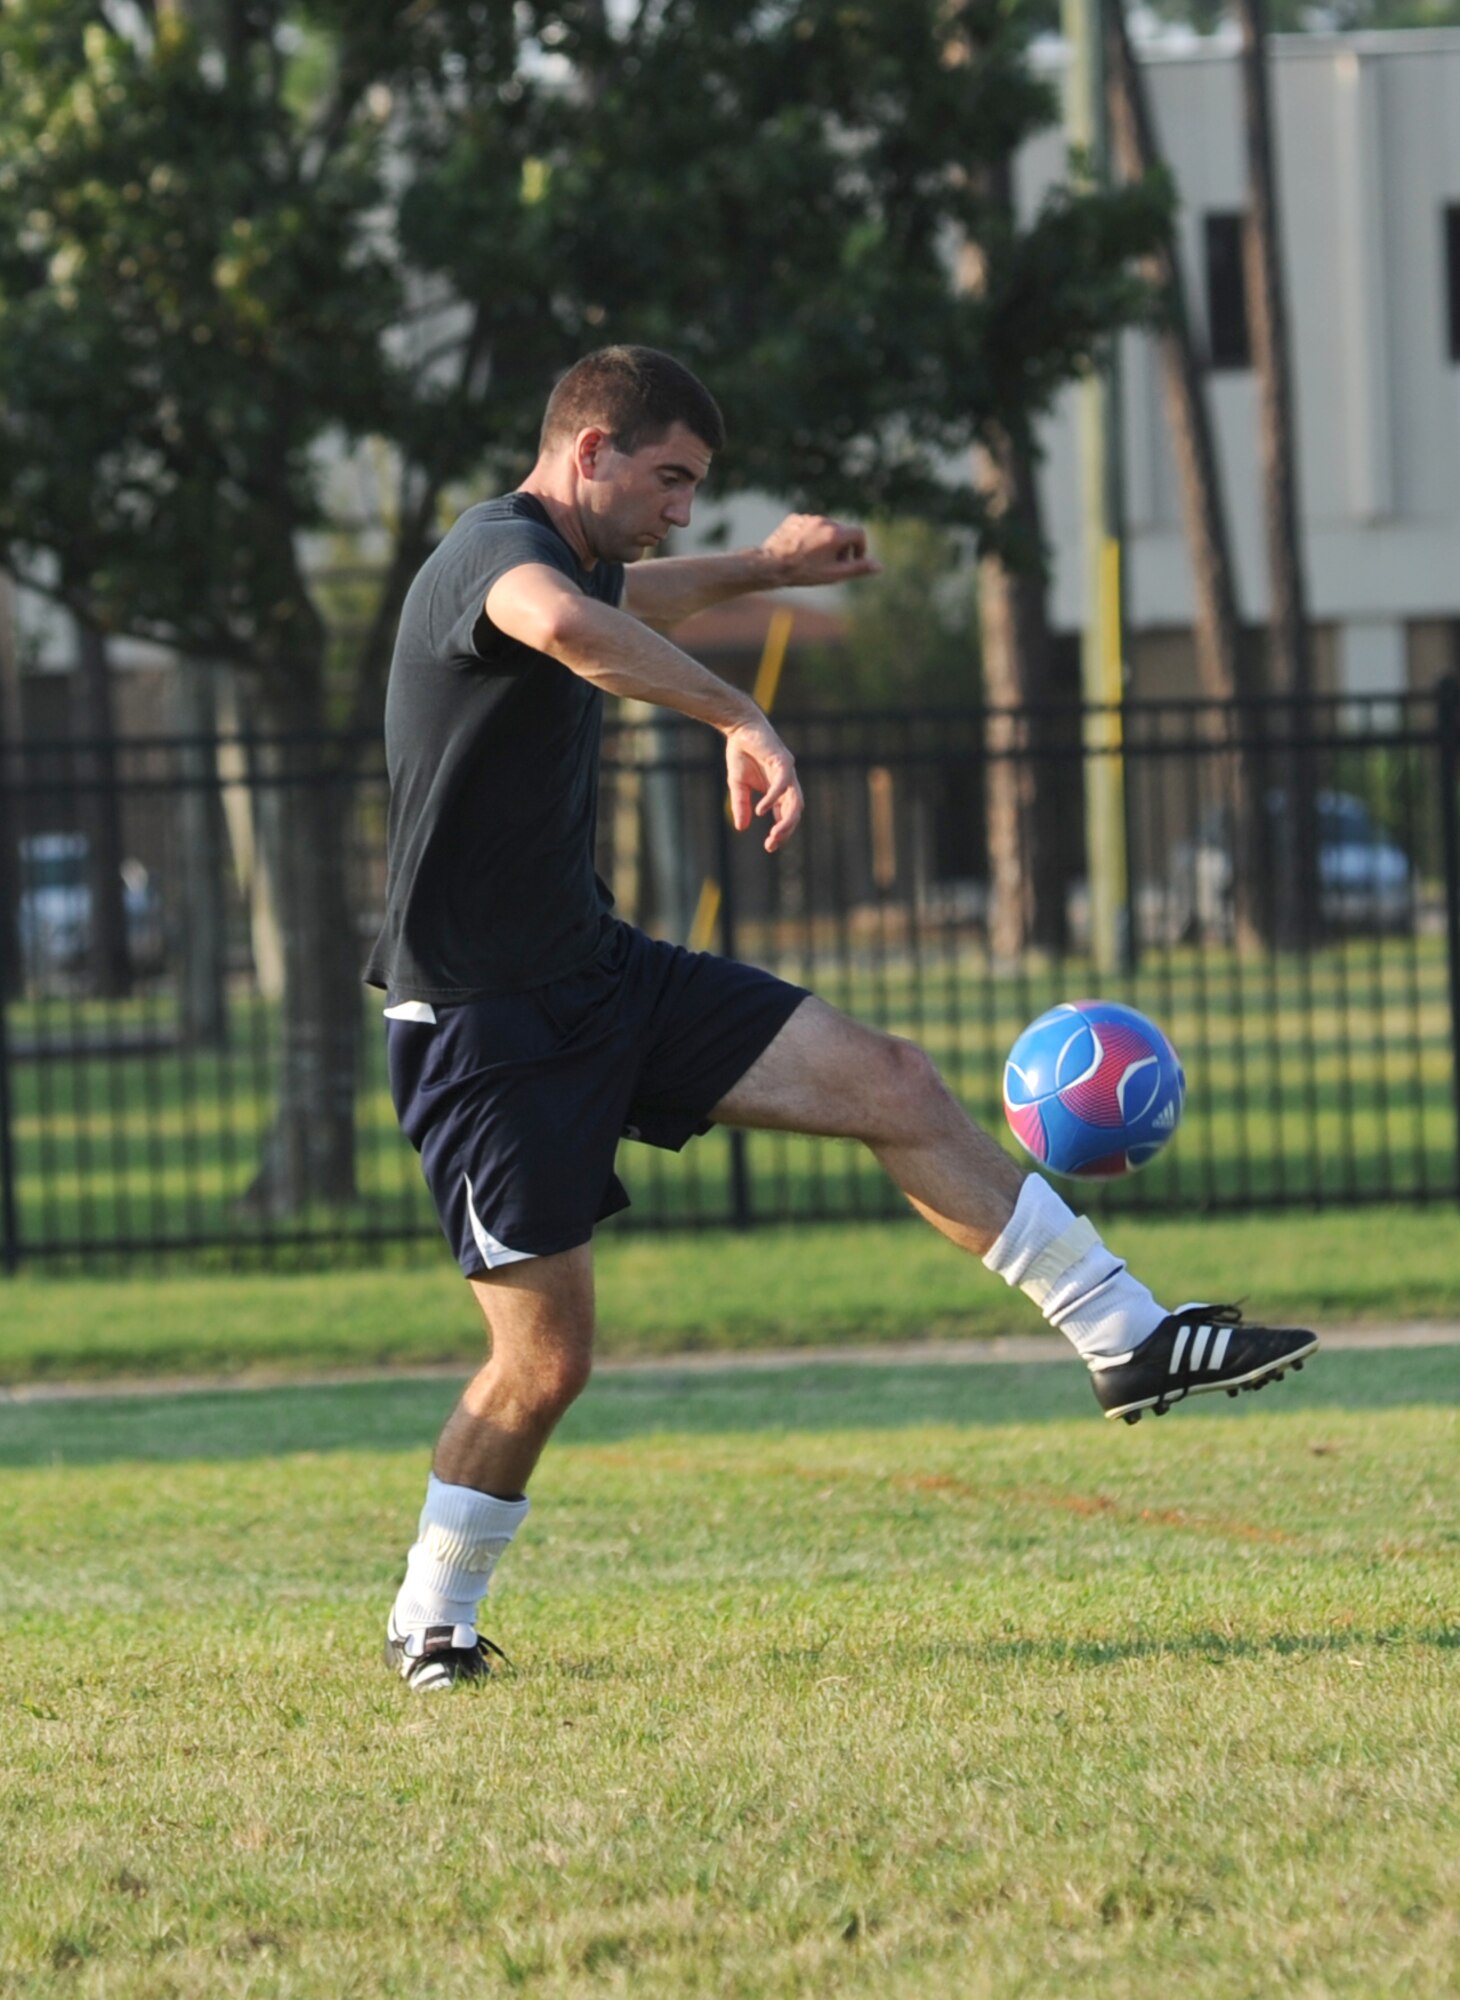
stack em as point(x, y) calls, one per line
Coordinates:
point(147, 974)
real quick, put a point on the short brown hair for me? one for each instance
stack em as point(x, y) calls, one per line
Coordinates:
point(637, 395)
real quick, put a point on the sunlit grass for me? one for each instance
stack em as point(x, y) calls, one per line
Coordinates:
point(716, 1291)
point(922, 1682)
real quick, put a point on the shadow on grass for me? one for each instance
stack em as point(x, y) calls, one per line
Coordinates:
point(1214, 1648)
point(406, 1415)
point(1209, 1647)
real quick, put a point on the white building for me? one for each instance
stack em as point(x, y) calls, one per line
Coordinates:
point(1368, 142)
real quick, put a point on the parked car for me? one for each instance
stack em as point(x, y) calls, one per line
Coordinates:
point(1365, 881)
point(54, 914)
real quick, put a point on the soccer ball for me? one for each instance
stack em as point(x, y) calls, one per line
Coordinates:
point(1093, 1089)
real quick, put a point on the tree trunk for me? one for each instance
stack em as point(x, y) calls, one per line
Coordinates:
point(1023, 779)
point(202, 967)
point(1222, 668)
point(1027, 906)
point(1291, 659)
point(108, 959)
point(243, 805)
point(309, 1155)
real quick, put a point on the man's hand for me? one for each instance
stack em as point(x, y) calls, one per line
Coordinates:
point(756, 760)
point(808, 548)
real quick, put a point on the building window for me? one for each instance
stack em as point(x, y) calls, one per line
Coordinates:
point(1228, 344)
point(1452, 275)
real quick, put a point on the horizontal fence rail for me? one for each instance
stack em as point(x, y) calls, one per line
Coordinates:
point(175, 1080)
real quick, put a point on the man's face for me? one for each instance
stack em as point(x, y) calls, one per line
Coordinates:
point(633, 499)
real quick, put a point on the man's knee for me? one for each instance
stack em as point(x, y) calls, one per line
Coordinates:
point(565, 1376)
point(544, 1380)
point(901, 1086)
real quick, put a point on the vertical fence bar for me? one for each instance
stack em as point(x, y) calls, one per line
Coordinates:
point(11, 977)
point(9, 1210)
point(1449, 721)
point(741, 1208)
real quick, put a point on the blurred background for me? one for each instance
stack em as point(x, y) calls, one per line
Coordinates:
point(1135, 338)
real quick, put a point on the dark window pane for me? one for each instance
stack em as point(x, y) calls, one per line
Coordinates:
point(1228, 345)
point(1452, 276)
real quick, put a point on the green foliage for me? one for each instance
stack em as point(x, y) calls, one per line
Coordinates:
point(233, 234)
point(912, 638)
point(185, 309)
point(793, 209)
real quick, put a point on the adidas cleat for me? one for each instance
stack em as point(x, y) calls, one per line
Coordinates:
point(1196, 1349)
point(441, 1655)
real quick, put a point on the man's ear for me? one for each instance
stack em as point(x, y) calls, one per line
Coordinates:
point(589, 451)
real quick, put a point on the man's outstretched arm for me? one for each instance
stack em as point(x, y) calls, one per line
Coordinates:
point(616, 652)
point(805, 549)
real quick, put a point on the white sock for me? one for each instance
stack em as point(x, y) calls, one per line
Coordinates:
point(1056, 1258)
point(461, 1538)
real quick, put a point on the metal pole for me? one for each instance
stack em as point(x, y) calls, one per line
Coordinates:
point(9, 941)
point(1102, 674)
point(11, 973)
point(1449, 720)
point(741, 1212)
point(9, 1210)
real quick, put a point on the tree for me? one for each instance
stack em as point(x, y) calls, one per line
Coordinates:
point(911, 633)
point(235, 237)
point(1225, 674)
point(1027, 902)
point(1290, 658)
point(195, 293)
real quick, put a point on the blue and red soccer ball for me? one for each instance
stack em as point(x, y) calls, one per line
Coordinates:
point(1093, 1089)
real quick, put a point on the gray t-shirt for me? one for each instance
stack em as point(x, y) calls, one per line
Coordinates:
point(492, 750)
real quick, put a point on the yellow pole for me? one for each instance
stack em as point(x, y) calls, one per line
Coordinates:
point(763, 694)
point(707, 915)
point(772, 659)
point(1105, 776)
point(1101, 666)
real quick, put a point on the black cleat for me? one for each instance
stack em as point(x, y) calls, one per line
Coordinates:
point(441, 1656)
point(1195, 1349)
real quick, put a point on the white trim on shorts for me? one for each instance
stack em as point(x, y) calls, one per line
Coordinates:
point(494, 1253)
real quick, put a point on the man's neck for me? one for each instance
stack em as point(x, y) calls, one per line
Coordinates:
point(547, 485)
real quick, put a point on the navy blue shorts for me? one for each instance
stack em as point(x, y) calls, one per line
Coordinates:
point(517, 1103)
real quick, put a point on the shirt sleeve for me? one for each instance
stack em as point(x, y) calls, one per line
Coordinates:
point(488, 554)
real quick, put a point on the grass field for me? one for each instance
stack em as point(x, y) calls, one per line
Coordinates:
point(917, 1682)
point(718, 1291)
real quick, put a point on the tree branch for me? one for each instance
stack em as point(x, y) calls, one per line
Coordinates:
point(216, 644)
point(373, 659)
point(327, 134)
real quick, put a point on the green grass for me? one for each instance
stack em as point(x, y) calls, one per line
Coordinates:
point(718, 1291)
point(1327, 1078)
point(921, 1683)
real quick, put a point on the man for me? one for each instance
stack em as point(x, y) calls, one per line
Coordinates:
point(529, 1030)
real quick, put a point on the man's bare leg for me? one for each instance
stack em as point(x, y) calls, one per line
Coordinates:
point(539, 1315)
point(826, 1074)
point(829, 1075)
